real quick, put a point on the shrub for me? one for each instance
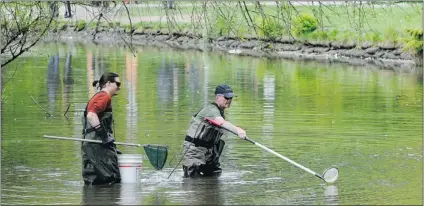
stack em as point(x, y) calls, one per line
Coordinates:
point(319, 35)
point(333, 34)
point(415, 41)
point(223, 26)
point(304, 24)
point(270, 28)
point(373, 36)
point(80, 25)
point(391, 35)
point(415, 44)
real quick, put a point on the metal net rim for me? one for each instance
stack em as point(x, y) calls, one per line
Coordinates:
point(331, 174)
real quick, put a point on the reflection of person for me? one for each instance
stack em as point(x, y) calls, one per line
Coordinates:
point(203, 191)
point(100, 161)
point(100, 194)
point(203, 145)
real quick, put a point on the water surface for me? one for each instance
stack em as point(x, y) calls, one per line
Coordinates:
point(365, 121)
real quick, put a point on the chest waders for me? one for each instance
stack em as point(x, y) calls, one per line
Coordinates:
point(99, 161)
point(207, 136)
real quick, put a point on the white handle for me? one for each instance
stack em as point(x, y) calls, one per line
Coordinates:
point(91, 140)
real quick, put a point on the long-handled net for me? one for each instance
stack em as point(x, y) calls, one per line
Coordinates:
point(157, 155)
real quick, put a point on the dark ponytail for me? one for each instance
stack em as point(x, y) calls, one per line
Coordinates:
point(95, 83)
point(110, 76)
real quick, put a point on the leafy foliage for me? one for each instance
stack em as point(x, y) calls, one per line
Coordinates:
point(304, 24)
point(22, 26)
point(415, 41)
point(270, 28)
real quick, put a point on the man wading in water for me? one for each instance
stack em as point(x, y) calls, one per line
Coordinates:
point(100, 161)
point(203, 145)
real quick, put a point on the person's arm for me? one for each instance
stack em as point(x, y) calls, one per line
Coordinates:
point(98, 104)
point(240, 132)
point(93, 119)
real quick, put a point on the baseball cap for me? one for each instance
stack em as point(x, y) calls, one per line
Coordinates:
point(224, 90)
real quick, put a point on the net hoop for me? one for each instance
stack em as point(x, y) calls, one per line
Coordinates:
point(331, 174)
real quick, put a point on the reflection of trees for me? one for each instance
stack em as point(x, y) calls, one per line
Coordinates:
point(67, 78)
point(165, 78)
point(168, 81)
point(100, 65)
point(132, 109)
point(192, 76)
point(96, 66)
point(268, 107)
point(52, 81)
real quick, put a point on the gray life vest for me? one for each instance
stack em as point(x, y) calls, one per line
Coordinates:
point(202, 132)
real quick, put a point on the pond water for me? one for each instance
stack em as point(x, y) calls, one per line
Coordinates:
point(365, 121)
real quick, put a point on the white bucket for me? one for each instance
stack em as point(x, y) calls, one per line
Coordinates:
point(130, 166)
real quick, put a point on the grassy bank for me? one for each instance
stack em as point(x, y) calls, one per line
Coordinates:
point(393, 25)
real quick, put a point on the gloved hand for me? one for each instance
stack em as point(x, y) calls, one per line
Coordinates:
point(106, 137)
point(113, 145)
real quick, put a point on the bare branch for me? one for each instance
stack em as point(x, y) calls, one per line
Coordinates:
point(39, 105)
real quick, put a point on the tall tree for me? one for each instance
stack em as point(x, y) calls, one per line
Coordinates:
point(22, 25)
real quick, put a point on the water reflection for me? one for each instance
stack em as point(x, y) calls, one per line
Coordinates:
point(366, 118)
point(90, 73)
point(164, 82)
point(101, 194)
point(115, 194)
point(331, 195)
point(96, 66)
point(52, 81)
point(268, 107)
point(67, 77)
point(203, 191)
point(132, 108)
point(192, 76)
point(130, 194)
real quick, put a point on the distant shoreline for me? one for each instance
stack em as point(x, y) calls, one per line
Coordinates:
point(382, 56)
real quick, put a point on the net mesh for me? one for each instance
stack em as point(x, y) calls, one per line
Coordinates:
point(331, 174)
point(157, 155)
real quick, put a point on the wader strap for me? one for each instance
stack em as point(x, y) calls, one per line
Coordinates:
point(199, 142)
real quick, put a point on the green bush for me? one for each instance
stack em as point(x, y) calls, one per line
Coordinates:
point(415, 33)
point(332, 35)
point(304, 24)
point(270, 28)
point(415, 41)
point(80, 25)
point(92, 24)
point(319, 35)
point(373, 36)
point(391, 35)
point(223, 26)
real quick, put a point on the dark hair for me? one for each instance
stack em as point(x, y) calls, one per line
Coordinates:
point(110, 76)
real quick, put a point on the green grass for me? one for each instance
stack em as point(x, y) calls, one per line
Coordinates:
point(369, 22)
point(373, 23)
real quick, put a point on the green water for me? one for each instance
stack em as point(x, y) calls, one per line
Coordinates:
point(364, 121)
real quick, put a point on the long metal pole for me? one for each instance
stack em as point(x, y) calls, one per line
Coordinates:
point(285, 158)
point(91, 140)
